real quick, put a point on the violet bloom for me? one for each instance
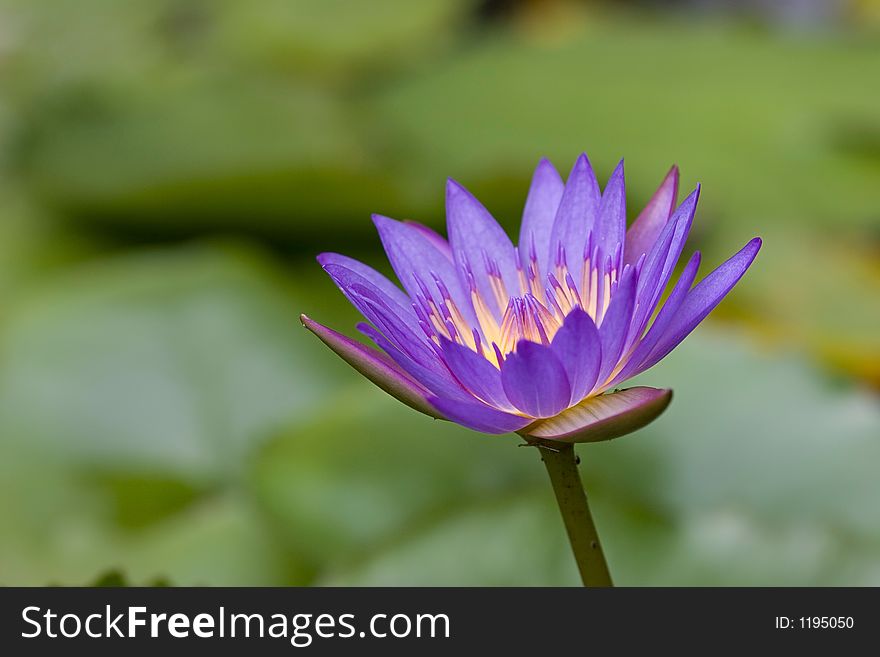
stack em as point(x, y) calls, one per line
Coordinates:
point(531, 338)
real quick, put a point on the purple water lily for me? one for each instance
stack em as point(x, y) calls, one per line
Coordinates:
point(531, 338)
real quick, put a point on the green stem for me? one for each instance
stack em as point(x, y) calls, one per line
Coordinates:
point(561, 463)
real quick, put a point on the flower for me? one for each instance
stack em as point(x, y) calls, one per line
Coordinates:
point(532, 338)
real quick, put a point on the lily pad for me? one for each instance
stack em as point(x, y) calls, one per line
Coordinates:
point(173, 361)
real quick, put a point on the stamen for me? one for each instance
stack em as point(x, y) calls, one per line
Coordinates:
point(561, 265)
point(520, 270)
point(453, 334)
point(478, 343)
point(604, 292)
point(585, 272)
point(551, 296)
point(640, 263)
point(593, 287)
point(527, 318)
point(496, 282)
point(559, 295)
point(546, 324)
point(498, 357)
point(511, 325)
point(452, 312)
point(575, 297)
point(534, 312)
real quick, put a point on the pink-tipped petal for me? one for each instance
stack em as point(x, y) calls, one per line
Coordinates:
point(603, 417)
point(432, 236)
point(647, 227)
point(375, 366)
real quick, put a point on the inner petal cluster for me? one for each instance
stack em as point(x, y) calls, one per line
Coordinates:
point(533, 310)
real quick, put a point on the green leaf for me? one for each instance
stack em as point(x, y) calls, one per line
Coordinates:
point(173, 362)
point(133, 392)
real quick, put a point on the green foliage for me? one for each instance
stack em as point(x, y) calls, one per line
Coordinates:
point(115, 578)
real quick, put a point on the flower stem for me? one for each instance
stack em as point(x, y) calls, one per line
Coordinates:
point(561, 463)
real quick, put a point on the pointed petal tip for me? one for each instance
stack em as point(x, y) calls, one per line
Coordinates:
point(582, 166)
point(672, 178)
point(380, 220)
point(752, 247)
point(375, 366)
point(617, 176)
point(453, 186)
point(456, 192)
point(315, 327)
point(603, 417)
point(547, 168)
point(324, 258)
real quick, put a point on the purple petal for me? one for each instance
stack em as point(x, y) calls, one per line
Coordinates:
point(422, 353)
point(615, 324)
point(475, 373)
point(661, 260)
point(367, 273)
point(375, 366)
point(349, 274)
point(535, 381)
point(539, 214)
point(396, 321)
point(400, 328)
point(702, 299)
point(576, 216)
point(647, 227)
point(664, 317)
point(415, 257)
point(603, 417)
point(478, 416)
point(611, 224)
point(578, 347)
point(439, 382)
point(433, 236)
point(682, 219)
point(476, 239)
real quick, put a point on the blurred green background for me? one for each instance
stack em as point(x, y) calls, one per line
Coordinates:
point(169, 169)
